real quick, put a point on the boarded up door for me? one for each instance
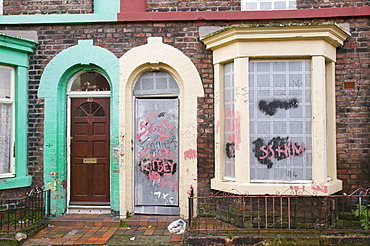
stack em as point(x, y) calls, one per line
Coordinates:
point(90, 151)
point(156, 156)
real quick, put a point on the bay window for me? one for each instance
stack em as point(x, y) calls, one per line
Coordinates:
point(275, 108)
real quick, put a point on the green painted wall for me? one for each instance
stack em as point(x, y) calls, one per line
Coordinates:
point(14, 52)
point(53, 87)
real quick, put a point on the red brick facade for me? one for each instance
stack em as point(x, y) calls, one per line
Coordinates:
point(36, 7)
point(352, 74)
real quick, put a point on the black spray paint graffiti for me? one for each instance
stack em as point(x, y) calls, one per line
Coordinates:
point(277, 148)
point(270, 108)
point(230, 150)
point(154, 169)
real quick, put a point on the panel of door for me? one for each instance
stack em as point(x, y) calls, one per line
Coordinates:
point(156, 170)
point(90, 162)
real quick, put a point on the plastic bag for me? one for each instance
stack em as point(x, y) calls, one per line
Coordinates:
point(177, 226)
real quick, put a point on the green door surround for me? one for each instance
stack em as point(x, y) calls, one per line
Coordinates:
point(14, 52)
point(53, 88)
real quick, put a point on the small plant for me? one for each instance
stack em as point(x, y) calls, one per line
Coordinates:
point(128, 214)
point(363, 214)
point(122, 223)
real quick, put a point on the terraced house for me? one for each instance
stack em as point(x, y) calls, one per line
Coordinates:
point(123, 106)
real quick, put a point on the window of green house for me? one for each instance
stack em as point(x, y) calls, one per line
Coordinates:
point(13, 110)
point(6, 121)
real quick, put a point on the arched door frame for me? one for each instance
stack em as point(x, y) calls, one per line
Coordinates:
point(158, 56)
point(70, 96)
point(52, 89)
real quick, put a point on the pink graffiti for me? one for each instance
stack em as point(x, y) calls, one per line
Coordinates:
point(143, 124)
point(297, 188)
point(322, 188)
point(167, 182)
point(289, 150)
point(217, 126)
point(163, 154)
point(232, 124)
point(154, 176)
point(163, 129)
point(190, 154)
point(229, 117)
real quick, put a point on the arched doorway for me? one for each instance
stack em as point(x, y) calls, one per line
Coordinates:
point(54, 85)
point(157, 56)
point(89, 153)
point(156, 138)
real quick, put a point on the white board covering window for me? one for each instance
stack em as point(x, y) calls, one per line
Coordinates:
point(280, 121)
point(6, 121)
point(229, 121)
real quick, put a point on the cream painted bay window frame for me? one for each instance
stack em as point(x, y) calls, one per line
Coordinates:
point(243, 44)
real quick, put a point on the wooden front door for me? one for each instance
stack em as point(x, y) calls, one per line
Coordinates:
point(90, 151)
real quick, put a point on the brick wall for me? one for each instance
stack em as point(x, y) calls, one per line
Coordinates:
point(353, 106)
point(352, 99)
point(33, 7)
point(202, 5)
point(234, 5)
point(308, 4)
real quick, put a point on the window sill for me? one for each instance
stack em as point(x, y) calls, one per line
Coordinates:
point(11, 183)
point(7, 175)
point(277, 188)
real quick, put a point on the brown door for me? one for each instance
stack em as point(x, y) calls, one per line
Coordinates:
point(90, 151)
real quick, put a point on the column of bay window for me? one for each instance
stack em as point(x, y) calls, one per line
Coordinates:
point(319, 132)
point(330, 87)
point(242, 159)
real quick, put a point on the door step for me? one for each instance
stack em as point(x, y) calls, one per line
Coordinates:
point(88, 210)
point(97, 220)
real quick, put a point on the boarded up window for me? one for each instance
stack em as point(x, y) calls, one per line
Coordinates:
point(6, 119)
point(280, 121)
point(229, 121)
point(156, 83)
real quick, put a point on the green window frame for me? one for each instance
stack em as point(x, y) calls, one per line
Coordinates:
point(14, 53)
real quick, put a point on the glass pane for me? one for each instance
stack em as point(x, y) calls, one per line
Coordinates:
point(267, 4)
point(281, 115)
point(156, 83)
point(5, 136)
point(5, 83)
point(90, 81)
point(229, 121)
point(89, 108)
